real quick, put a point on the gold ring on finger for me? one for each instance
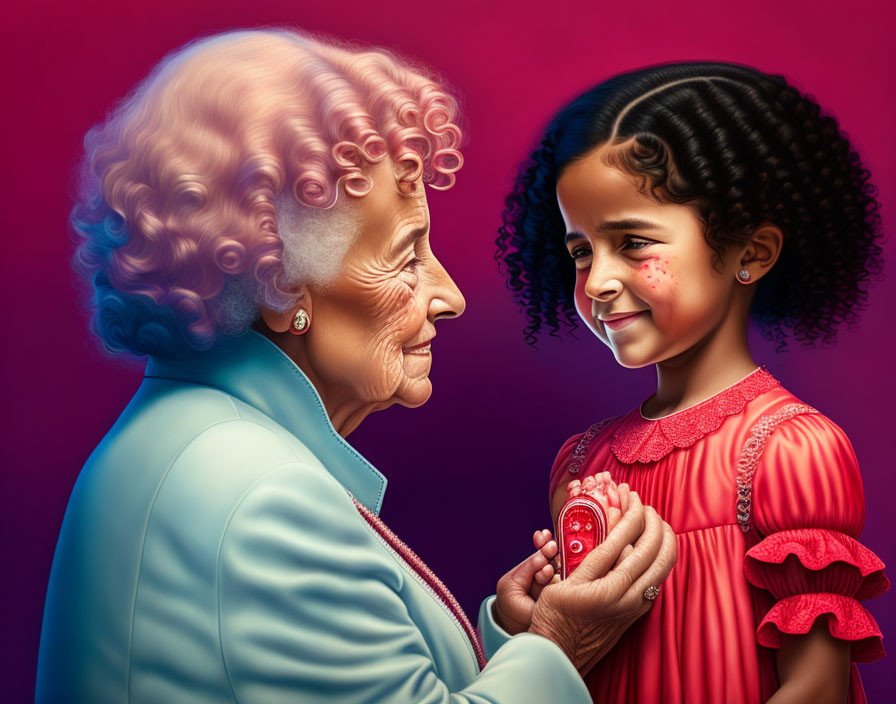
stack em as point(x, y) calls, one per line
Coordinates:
point(651, 593)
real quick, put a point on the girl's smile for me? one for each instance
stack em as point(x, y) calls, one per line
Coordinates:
point(648, 284)
point(621, 320)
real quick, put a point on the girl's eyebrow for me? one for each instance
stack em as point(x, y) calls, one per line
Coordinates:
point(629, 224)
point(570, 236)
point(616, 225)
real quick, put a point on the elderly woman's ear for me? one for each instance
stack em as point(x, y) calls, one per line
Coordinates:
point(296, 320)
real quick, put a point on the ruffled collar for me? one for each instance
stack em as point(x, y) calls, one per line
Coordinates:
point(639, 439)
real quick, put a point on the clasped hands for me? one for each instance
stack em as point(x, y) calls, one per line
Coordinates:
point(586, 613)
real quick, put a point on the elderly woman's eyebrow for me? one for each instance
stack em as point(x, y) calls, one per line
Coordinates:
point(409, 238)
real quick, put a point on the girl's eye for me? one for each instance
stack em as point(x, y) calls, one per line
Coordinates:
point(637, 243)
point(580, 252)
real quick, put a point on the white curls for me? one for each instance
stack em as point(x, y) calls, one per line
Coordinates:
point(315, 240)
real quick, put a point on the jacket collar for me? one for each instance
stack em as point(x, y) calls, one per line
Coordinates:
point(256, 371)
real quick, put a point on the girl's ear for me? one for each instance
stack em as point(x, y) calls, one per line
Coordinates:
point(279, 321)
point(762, 250)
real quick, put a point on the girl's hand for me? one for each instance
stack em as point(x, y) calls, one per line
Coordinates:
point(518, 589)
point(601, 487)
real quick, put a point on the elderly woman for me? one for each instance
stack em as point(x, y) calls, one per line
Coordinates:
point(253, 219)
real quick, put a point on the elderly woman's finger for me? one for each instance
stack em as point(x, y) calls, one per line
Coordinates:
point(545, 574)
point(612, 494)
point(624, 491)
point(550, 550)
point(657, 572)
point(614, 515)
point(600, 560)
point(646, 550)
point(626, 551)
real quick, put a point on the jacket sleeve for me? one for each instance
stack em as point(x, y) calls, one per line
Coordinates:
point(310, 610)
point(491, 634)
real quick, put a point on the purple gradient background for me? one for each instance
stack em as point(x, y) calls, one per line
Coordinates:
point(468, 471)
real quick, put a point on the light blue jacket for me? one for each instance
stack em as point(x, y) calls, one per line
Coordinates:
point(211, 552)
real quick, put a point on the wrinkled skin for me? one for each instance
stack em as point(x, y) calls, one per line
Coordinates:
point(389, 293)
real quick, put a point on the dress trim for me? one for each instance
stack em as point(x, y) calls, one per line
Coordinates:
point(577, 458)
point(639, 439)
point(430, 581)
point(751, 454)
point(846, 620)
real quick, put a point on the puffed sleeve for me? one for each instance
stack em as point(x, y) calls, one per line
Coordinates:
point(809, 507)
point(311, 611)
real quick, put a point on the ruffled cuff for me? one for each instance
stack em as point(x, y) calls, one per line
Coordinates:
point(810, 560)
point(846, 620)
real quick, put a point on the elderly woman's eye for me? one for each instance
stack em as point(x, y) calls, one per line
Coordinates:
point(411, 266)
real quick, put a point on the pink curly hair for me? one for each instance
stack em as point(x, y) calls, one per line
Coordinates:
point(176, 220)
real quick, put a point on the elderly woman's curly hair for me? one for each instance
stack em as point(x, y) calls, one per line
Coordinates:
point(186, 188)
point(745, 148)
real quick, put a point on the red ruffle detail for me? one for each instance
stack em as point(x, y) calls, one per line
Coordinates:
point(641, 440)
point(815, 559)
point(846, 620)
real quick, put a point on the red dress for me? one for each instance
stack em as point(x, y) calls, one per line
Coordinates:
point(765, 497)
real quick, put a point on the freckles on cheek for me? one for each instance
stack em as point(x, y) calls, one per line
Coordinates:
point(656, 274)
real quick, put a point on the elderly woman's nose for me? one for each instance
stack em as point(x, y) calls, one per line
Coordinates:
point(447, 301)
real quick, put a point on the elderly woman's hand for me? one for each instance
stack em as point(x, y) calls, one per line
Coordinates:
point(519, 589)
point(587, 613)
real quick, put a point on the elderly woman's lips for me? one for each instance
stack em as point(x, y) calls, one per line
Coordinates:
point(422, 348)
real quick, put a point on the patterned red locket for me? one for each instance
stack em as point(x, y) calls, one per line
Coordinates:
point(582, 525)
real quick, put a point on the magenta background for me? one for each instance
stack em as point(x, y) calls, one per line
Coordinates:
point(468, 471)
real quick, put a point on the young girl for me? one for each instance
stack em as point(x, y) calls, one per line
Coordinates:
point(666, 206)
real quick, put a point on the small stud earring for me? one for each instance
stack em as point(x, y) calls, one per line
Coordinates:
point(743, 276)
point(301, 322)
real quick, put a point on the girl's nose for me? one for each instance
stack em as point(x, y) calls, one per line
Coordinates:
point(603, 289)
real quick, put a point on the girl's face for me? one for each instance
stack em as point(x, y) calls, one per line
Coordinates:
point(645, 283)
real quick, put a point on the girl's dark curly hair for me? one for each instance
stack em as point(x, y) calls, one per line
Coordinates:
point(745, 148)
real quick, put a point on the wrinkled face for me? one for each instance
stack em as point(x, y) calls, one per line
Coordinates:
point(372, 327)
point(645, 284)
